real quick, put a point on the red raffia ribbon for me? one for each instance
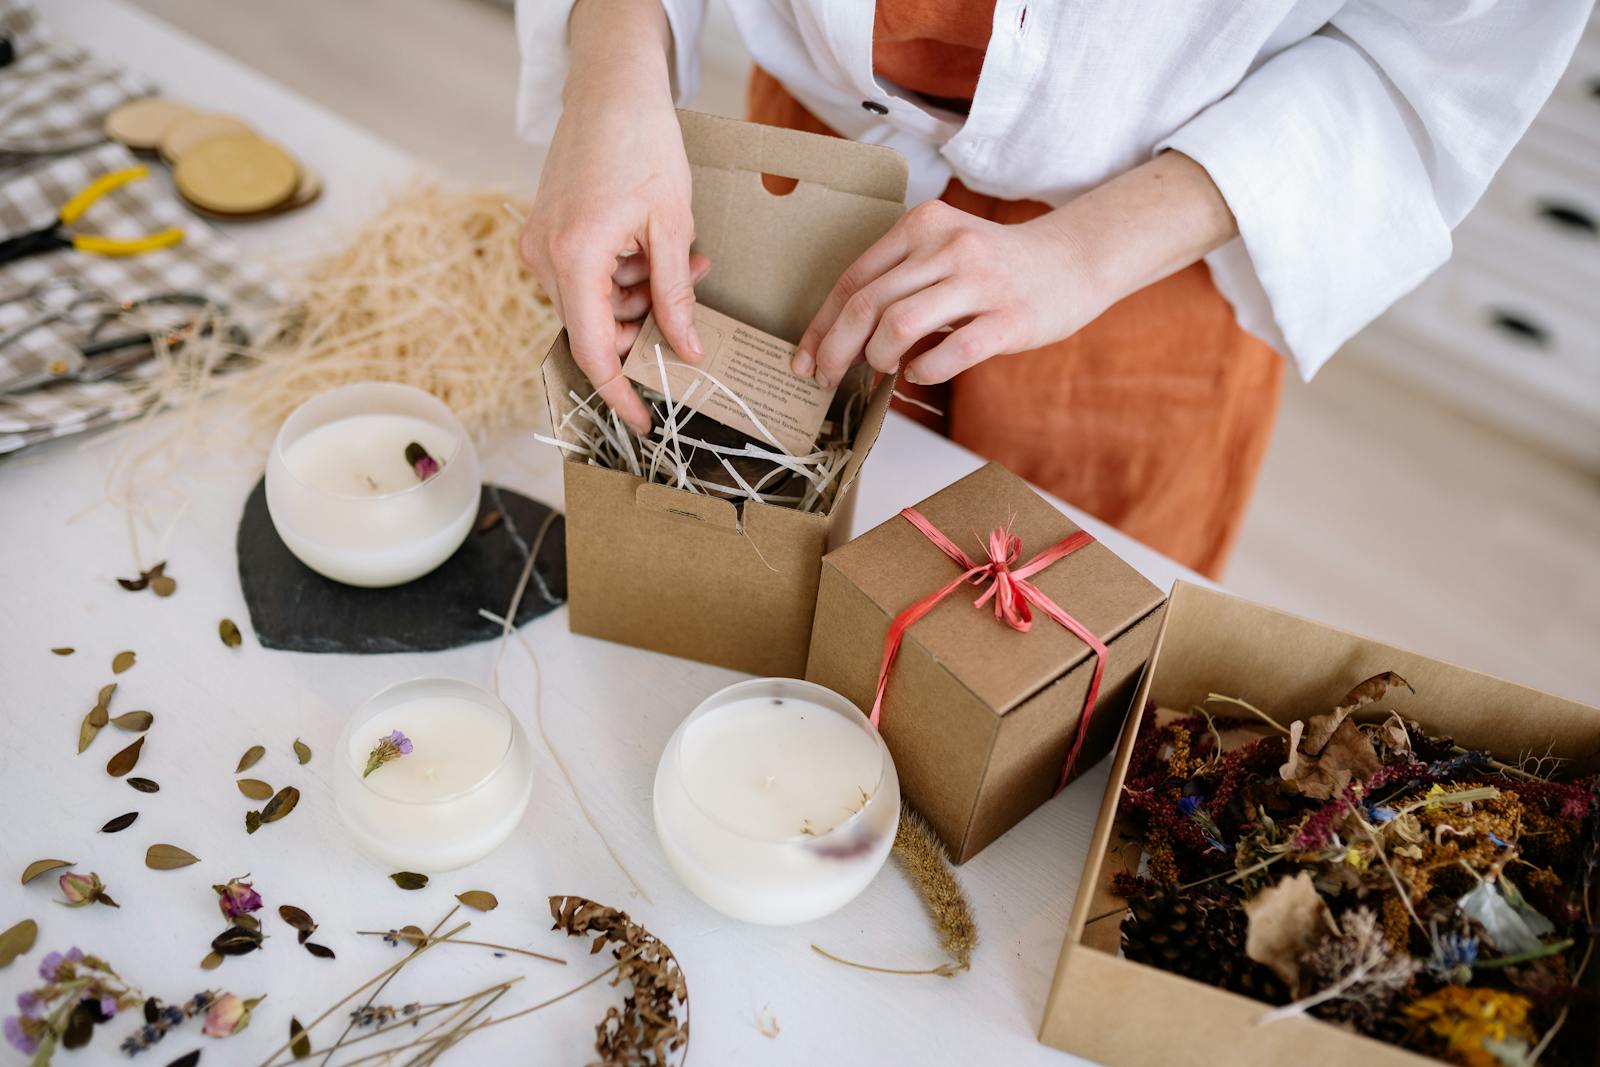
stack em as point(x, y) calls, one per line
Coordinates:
point(1012, 593)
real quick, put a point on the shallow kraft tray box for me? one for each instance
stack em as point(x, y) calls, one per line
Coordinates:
point(680, 572)
point(1107, 1008)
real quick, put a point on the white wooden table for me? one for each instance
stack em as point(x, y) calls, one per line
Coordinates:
point(609, 709)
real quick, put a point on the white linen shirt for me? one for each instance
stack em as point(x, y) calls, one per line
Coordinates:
point(1348, 138)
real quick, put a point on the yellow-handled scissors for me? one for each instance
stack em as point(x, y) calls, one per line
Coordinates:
point(56, 235)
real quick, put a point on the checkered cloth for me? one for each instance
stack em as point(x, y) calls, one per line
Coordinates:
point(32, 190)
point(54, 97)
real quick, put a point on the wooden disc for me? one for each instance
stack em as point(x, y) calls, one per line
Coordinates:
point(184, 133)
point(236, 174)
point(305, 193)
point(139, 124)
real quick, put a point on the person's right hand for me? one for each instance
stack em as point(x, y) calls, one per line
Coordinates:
point(608, 237)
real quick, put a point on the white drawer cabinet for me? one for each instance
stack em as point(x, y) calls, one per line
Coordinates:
point(1509, 329)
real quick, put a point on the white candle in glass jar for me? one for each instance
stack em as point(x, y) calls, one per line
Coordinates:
point(346, 500)
point(458, 794)
point(776, 801)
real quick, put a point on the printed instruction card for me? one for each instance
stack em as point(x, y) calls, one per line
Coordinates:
point(753, 365)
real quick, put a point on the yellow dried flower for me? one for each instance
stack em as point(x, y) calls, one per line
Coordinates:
point(1459, 1022)
point(1163, 866)
point(1396, 922)
point(1182, 763)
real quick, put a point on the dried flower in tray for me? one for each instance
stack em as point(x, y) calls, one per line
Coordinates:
point(1395, 883)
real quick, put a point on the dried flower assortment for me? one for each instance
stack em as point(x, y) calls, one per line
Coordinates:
point(1366, 873)
point(80, 992)
point(388, 748)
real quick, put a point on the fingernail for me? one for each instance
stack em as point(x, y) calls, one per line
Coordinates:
point(910, 374)
point(696, 349)
point(803, 364)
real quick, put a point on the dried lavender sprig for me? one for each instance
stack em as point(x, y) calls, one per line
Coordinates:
point(159, 1019)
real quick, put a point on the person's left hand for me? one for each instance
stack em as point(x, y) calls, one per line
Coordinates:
point(999, 289)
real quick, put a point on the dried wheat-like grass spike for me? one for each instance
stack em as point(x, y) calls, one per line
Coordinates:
point(922, 856)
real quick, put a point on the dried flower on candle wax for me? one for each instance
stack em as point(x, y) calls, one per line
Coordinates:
point(425, 465)
point(388, 748)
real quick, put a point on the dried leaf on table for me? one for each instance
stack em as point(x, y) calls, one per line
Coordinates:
point(322, 952)
point(479, 899)
point(302, 752)
point(161, 585)
point(297, 918)
point(254, 788)
point(409, 880)
point(248, 760)
point(299, 1040)
point(124, 761)
point(121, 822)
point(1286, 922)
point(63, 651)
point(38, 867)
point(212, 961)
point(17, 941)
point(252, 821)
point(144, 785)
point(121, 662)
point(188, 1059)
point(168, 857)
point(281, 804)
point(236, 941)
point(228, 630)
point(134, 721)
point(90, 727)
point(646, 1029)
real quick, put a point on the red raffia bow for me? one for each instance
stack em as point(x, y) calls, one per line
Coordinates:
point(1012, 593)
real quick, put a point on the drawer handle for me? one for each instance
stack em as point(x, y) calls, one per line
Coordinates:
point(1520, 327)
point(1568, 217)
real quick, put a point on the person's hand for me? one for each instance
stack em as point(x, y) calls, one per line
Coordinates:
point(1000, 289)
point(608, 237)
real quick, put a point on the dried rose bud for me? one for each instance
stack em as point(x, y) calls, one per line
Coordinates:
point(425, 465)
point(81, 890)
point(228, 1015)
point(237, 898)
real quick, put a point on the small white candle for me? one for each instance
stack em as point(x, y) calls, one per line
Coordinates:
point(348, 503)
point(458, 794)
point(776, 801)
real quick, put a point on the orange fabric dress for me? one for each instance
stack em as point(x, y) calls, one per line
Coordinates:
point(1154, 417)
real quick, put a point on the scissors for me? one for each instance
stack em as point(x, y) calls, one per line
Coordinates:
point(57, 235)
point(91, 311)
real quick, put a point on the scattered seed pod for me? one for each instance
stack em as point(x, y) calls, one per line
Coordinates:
point(38, 867)
point(236, 941)
point(135, 721)
point(254, 788)
point(229, 632)
point(18, 941)
point(281, 804)
point(478, 899)
point(122, 661)
point(144, 785)
point(124, 761)
point(409, 879)
point(121, 822)
point(248, 760)
point(302, 752)
point(168, 858)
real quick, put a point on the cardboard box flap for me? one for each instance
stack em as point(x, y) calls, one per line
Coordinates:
point(895, 565)
point(774, 258)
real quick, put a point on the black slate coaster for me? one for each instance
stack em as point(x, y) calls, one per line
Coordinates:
point(293, 607)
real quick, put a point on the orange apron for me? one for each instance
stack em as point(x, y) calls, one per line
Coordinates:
point(1155, 416)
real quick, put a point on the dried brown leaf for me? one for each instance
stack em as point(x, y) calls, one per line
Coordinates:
point(478, 899)
point(122, 661)
point(254, 788)
point(134, 585)
point(252, 821)
point(38, 867)
point(18, 941)
point(228, 630)
point(124, 761)
point(296, 917)
point(161, 585)
point(89, 729)
point(133, 721)
point(490, 520)
point(322, 952)
point(121, 822)
point(1374, 688)
point(144, 785)
point(1347, 756)
point(299, 1040)
point(211, 962)
point(302, 752)
point(1286, 922)
point(236, 941)
point(168, 858)
point(281, 804)
point(104, 699)
point(63, 650)
point(248, 760)
point(409, 880)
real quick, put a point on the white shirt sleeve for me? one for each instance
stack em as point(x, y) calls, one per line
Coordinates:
point(542, 37)
point(1348, 157)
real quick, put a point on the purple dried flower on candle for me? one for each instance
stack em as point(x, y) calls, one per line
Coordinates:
point(425, 465)
point(237, 898)
point(392, 747)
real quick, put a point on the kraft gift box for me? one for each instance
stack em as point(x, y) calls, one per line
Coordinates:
point(1107, 1008)
point(980, 717)
point(691, 574)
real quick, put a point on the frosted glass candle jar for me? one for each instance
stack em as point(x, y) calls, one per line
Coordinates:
point(776, 801)
point(458, 794)
point(346, 501)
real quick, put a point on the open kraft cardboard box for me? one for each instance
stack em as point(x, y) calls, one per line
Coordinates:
point(1114, 1011)
point(690, 574)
